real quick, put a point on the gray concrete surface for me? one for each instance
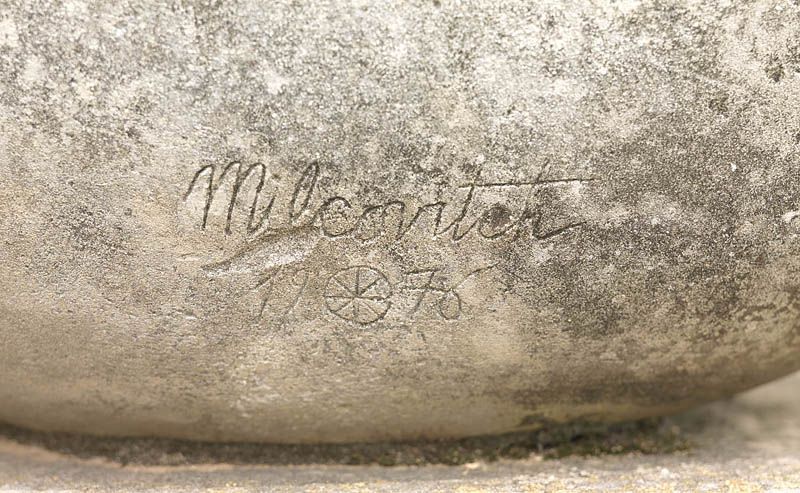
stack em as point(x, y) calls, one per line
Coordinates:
point(749, 443)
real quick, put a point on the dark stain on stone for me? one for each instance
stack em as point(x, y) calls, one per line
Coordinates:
point(535, 421)
point(91, 230)
point(719, 104)
point(774, 69)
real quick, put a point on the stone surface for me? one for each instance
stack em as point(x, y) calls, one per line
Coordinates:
point(748, 444)
point(364, 221)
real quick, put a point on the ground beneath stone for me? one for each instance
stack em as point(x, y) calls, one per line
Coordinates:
point(748, 443)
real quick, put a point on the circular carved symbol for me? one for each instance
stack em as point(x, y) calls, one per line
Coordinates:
point(358, 294)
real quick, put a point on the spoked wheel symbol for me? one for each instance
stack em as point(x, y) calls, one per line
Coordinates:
point(358, 294)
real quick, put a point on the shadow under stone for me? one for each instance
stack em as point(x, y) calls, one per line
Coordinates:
point(650, 436)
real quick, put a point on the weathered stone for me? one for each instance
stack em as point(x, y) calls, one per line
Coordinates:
point(311, 222)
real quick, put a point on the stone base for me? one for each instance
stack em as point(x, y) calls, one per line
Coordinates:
point(751, 443)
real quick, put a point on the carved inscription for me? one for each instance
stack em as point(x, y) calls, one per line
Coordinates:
point(363, 294)
point(291, 282)
point(462, 211)
point(358, 294)
point(429, 287)
point(282, 223)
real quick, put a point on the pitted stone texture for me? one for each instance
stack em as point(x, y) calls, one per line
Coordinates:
point(365, 221)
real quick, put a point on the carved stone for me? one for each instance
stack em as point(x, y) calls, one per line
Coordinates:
point(296, 222)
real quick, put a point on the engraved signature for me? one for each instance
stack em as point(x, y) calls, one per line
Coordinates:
point(465, 212)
